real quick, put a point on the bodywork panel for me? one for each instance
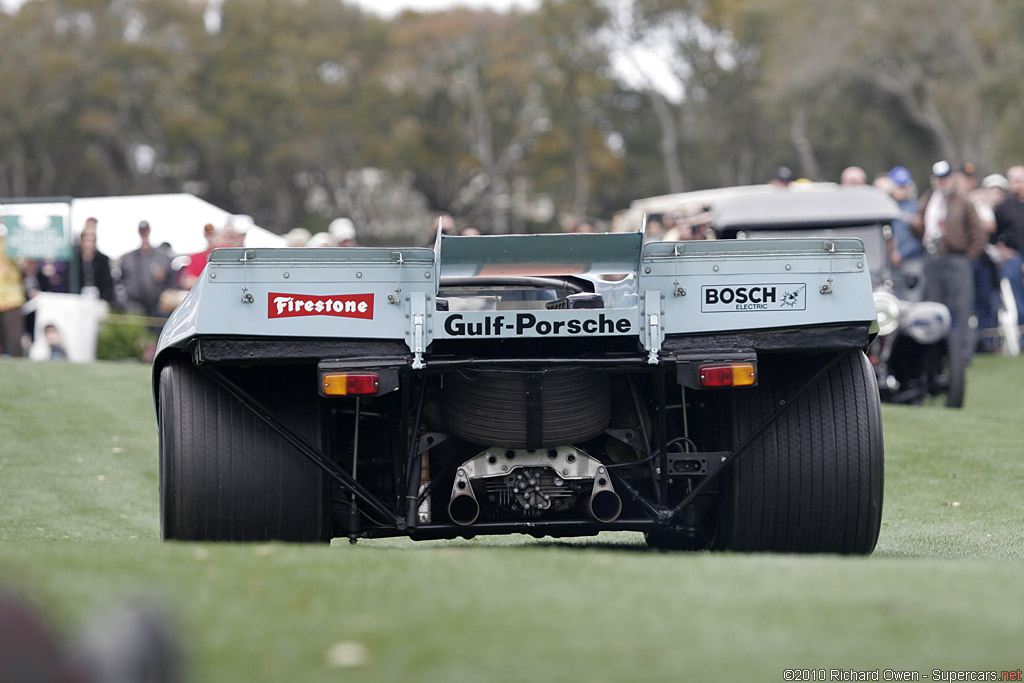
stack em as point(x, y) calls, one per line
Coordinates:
point(669, 289)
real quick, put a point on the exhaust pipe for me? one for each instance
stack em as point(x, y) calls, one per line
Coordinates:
point(463, 507)
point(604, 505)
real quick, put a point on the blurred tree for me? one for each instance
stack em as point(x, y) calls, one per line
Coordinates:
point(642, 34)
point(290, 106)
point(297, 111)
point(935, 61)
point(701, 84)
point(466, 85)
point(90, 91)
point(578, 150)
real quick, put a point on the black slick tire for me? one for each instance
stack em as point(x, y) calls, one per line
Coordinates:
point(224, 475)
point(812, 482)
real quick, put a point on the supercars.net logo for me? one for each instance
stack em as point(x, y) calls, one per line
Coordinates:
point(339, 305)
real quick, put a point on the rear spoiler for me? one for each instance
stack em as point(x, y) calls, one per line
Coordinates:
point(647, 291)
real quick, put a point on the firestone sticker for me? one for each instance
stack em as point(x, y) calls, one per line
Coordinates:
point(767, 297)
point(300, 305)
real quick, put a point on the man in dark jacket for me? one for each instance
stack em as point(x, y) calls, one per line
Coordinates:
point(1010, 236)
point(948, 226)
point(146, 273)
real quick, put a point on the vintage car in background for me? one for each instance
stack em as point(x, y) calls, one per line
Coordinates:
point(709, 394)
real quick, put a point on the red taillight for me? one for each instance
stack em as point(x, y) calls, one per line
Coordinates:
point(345, 384)
point(728, 375)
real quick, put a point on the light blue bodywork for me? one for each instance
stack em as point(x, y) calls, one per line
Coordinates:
point(649, 291)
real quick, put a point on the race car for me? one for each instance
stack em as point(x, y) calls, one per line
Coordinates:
point(708, 394)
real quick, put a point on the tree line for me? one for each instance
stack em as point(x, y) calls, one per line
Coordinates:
point(299, 111)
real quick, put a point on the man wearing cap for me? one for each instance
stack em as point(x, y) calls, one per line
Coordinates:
point(344, 232)
point(146, 273)
point(782, 177)
point(1010, 235)
point(906, 250)
point(951, 233)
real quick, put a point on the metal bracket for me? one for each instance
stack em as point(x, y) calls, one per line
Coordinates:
point(247, 297)
point(653, 330)
point(424, 444)
point(430, 440)
point(630, 437)
point(826, 287)
point(695, 464)
point(568, 462)
point(676, 289)
point(419, 332)
point(396, 297)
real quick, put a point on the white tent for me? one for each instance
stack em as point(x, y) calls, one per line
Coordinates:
point(177, 219)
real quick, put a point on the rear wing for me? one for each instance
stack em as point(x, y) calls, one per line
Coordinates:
point(642, 291)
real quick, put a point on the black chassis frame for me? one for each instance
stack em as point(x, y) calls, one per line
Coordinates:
point(678, 355)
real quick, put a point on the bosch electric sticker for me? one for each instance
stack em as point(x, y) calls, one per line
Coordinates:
point(339, 305)
point(529, 325)
point(766, 297)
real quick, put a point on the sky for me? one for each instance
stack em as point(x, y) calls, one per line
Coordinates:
point(389, 8)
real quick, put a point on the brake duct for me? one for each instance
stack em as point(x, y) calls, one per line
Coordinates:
point(533, 481)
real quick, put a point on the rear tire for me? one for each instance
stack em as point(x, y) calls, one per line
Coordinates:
point(812, 482)
point(224, 475)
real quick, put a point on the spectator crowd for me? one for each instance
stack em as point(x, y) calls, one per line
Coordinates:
point(960, 242)
point(963, 240)
point(148, 281)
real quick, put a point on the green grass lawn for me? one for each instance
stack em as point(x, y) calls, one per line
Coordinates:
point(79, 532)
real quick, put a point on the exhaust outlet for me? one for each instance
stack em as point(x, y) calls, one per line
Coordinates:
point(604, 505)
point(463, 507)
point(525, 483)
